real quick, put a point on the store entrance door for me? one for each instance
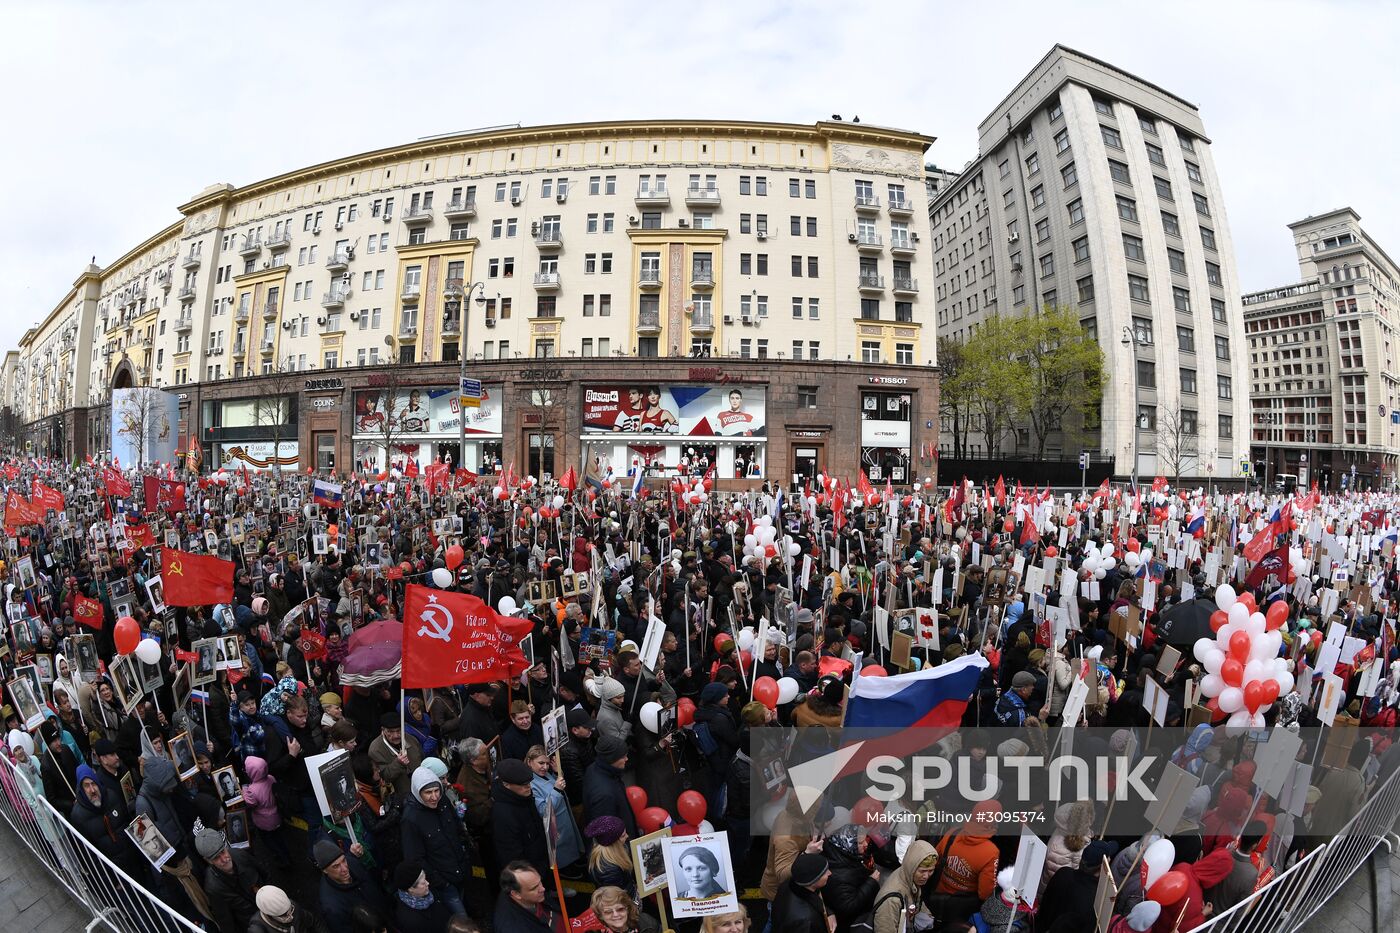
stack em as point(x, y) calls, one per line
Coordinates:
point(541, 454)
point(807, 462)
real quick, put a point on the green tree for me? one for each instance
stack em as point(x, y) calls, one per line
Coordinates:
point(1063, 371)
point(994, 379)
point(954, 404)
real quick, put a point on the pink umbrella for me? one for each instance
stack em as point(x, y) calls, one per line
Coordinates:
point(375, 656)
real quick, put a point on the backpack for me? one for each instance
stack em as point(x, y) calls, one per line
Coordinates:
point(704, 739)
point(865, 923)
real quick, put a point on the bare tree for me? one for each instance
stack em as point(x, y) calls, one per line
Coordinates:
point(272, 408)
point(542, 398)
point(396, 413)
point(1177, 441)
point(141, 415)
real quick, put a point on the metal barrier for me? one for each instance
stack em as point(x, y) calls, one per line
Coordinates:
point(114, 898)
point(1292, 898)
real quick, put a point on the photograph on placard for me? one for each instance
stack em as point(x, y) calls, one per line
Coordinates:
point(701, 877)
point(229, 787)
point(236, 828)
point(26, 702)
point(649, 861)
point(148, 839)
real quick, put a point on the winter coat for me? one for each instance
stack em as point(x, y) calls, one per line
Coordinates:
point(156, 801)
point(791, 833)
point(611, 722)
point(433, 919)
point(433, 836)
point(1071, 819)
point(890, 911)
point(231, 896)
point(104, 824)
point(798, 910)
point(604, 794)
point(391, 770)
point(970, 865)
point(1206, 873)
point(338, 901)
point(259, 797)
point(575, 756)
point(510, 917)
point(570, 848)
point(517, 829)
point(477, 722)
point(850, 891)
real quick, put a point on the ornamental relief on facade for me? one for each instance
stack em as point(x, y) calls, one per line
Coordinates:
point(875, 159)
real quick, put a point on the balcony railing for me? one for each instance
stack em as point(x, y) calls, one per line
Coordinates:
point(418, 215)
point(279, 241)
point(251, 247)
point(460, 208)
point(903, 244)
point(191, 261)
point(183, 323)
point(867, 202)
point(408, 330)
point(335, 298)
point(905, 284)
point(451, 327)
point(411, 292)
point(901, 206)
point(240, 316)
point(270, 311)
point(702, 277)
point(549, 238)
point(698, 194)
point(702, 321)
point(338, 262)
point(546, 279)
point(452, 288)
point(649, 278)
point(872, 281)
point(649, 321)
point(872, 241)
point(653, 194)
point(186, 293)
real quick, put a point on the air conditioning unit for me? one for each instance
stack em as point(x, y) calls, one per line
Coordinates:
point(350, 252)
point(267, 264)
point(534, 228)
point(633, 219)
point(1013, 237)
point(388, 218)
point(321, 320)
point(516, 201)
point(490, 322)
point(914, 237)
point(316, 230)
point(683, 223)
point(762, 235)
point(339, 225)
point(851, 237)
point(286, 325)
point(561, 198)
point(729, 319)
point(354, 315)
point(746, 319)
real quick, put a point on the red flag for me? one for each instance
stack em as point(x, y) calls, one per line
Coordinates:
point(163, 495)
point(140, 535)
point(115, 484)
point(1273, 564)
point(1260, 544)
point(1102, 491)
point(87, 611)
point(435, 475)
point(463, 477)
point(1159, 484)
point(411, 470)
point(195, 579)
point(451, 638)
point(569, 480)
point(864, 488)
point(46, 497)
point(1028, 530)
point(20, 511)
point(186, 657)
point(312, 645)
point(1001, 492)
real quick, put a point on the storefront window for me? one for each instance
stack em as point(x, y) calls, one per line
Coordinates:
point(325, 451)
point(884, 435)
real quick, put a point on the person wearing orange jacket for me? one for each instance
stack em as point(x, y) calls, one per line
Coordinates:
point(969, 870)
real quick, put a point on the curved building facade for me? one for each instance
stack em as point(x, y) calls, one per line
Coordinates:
point(742, 294)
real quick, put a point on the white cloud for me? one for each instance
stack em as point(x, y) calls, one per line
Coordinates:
point(116, 113)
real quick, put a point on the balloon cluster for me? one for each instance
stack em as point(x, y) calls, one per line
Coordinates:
point(129, 639)
point(1244, 673)
point(690, 805)
point(1159, 882)
point(764, 544)
point(1098, 563)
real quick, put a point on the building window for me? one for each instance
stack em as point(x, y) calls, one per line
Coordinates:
point(1033, 164)
point(1155, 156)
point(1070, 176)
point(1164, 188)
point(1188, 381)
point(1193, 172)
point(1223, 387)
point(904, 354)
point(1056, 111)
point(1127, 209)
point(1132, 247)
point(870, 351)
point(1169, 224)
point(1189, 422)
point(1222, 348)
point(1208, 238)
point(1202, 205)
point(1081, 249)
point(1226, 426)
point(1047, 265)
point(1185, 340)
point(1038, 196)
point(1176, 260)
point(1061, 141)
point(1213, 273)
point(1137, 288)
point(1111, 137)
point(1148, 126)
point(1103, 106)
point(1142, 330)
point(1042, 230)
point(1118, 171)
point(1005, 167)
point(806, 396)
point(1086, 289)
point(1076, 211)
point(870, 309)
point(1181, 299)
point(1217, 310)
point(1147, 418)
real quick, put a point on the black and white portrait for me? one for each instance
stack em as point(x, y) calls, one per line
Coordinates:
point(701, 878)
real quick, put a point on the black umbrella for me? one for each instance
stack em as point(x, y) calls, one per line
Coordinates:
point(1183, 624)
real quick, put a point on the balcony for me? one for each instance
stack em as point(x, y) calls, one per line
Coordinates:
point(549, 238)
point(547, 281)
point(903, 285)
point(418, 216)
point(338, 262)
point(240, 349)
point(164, 280)
point(460, 209)
point(267, 347)
point(190, 262)
point(653, 196)
point(411, 292)
point(250, 248)
point(702, 323)
point(408, 330)
point(186, 293)
point(868, 242)
point(184, 324)
point(871, 282)
point(867, 204)
point(240, 316)
point(698, 196)
point(279, 241)
point(452, 288)
point(452, 326)
point(901, 207)
point(335, 298)
point(270, 311)
point(649, 278)
point(903, 245)
point(648, 323)
point(702, 277)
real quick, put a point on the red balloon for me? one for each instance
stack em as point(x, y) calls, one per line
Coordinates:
point(746, 659)
point(685, 711)
point(1134, 545)
point(873, 670)
point(1239, 646)
point(1052, 551)
point(1253, 696)
point(867, 812)
point(454, 557)
point(1169, 889)
point(691, 806)
point(1270, 691)
point(127, 635)
point(651, 819)
point(1009, 525)
point(1247, 600)
point(637, 798)
point(720, 639)
point(1276, 616)
point(1218, 620)
point(1232, 672)
point(765, 691)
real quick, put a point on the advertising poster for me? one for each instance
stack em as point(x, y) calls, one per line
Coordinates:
point(258, 455)
point(145, 425)
point(681, 410)
point(426, 411)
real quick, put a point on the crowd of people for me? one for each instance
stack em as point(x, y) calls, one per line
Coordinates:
point(461, 814)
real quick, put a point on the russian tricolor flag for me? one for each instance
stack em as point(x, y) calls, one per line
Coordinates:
point(199, 697)
point(331, 495)
point(930, 698)
point(1197, 525)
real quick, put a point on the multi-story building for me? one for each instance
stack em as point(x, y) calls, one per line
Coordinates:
point(569, 265)
point(1324, 387)
point(1095, 190)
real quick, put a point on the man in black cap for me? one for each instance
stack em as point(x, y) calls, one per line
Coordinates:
point(59, 767)
point(577, 753)
point(799, 907)
point(396, 754)
point(515, 823)
point(231, 882)
point(110, 770)
point(345, 885)
point(604, 793)
point(1070, 891)
point(478, 718)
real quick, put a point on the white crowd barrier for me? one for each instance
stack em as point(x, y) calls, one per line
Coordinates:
point(116, 901)
point(1297, 894)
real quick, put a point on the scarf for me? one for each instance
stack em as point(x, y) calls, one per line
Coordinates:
point(416, 903)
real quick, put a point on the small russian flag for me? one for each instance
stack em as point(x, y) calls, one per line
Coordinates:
point(331, 495)
point(639, 474)
point(199, 696)
point(268, 679)
point(1197, 525)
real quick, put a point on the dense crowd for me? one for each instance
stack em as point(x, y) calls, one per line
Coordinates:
point(479, 806)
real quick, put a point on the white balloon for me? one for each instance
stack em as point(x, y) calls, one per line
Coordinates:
point(1212, 661)
point(1158, 860)
point(650, 716)
point(707, 827)
point(1225, 596)
point(1132, 560)
point(1091, 563)
point(1253, 670)
point(442, 577)
point(794, 549)
point(1100, 574)
point(1211, 685)
point(1109, 563)
point(1256, 624)
point(558, 502)
point(148, 651)
point(1239, 719)
point(1231, 700)
point(1265, 647)
point(1094, 653)
point(506, 606)
point(1239, 615)
point(746, 639)
point(750, 540)
point(1202, 648)
point(787, 689)
point(1285, 683)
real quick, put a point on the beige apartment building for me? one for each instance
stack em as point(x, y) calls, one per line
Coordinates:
point(587, 259)
point(1095, 190)
point(1324, 387)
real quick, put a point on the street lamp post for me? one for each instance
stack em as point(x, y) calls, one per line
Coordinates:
point(1130, 340)
point(462, 367)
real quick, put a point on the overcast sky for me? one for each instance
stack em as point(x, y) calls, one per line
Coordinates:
point(115, 113)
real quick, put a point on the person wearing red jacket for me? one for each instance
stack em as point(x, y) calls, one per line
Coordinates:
point(1206, 873)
